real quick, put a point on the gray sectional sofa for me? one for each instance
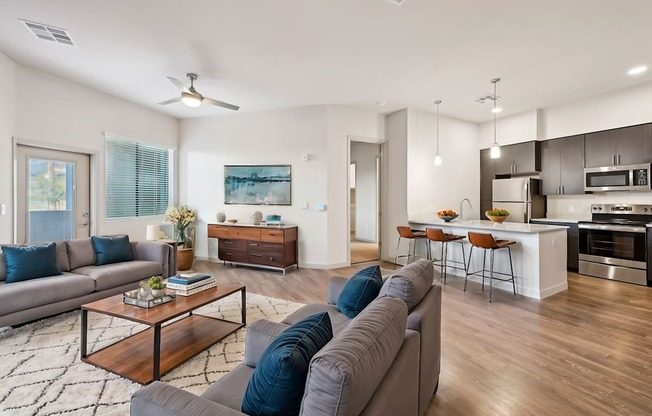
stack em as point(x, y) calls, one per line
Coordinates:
point(81, 281)
point(385, 361)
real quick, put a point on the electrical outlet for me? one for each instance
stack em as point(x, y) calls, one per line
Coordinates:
point(3, 209)
point(554, 242)
point(571, 208)
point(304, 205)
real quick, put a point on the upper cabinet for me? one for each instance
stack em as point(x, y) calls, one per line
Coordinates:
point(562, 166)
point(624, 146)
point(519, 158)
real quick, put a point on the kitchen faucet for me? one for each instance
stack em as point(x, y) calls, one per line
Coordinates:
point(462, 208)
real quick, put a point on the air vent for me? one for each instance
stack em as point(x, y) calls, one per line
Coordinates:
point(486, 99)
point(397, 2)
point(49, 33)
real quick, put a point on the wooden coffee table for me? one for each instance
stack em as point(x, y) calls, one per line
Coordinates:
point(147, 355)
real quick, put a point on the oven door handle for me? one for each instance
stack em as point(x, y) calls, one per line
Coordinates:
point(622, 228)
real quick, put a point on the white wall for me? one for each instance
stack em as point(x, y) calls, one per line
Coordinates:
point(273, 137)
point(517, 128)
point(343, 124)
point(7, 128)
point(366, 193)
point(432, 188)
point(58, 113)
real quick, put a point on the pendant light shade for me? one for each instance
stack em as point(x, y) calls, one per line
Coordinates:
point(494, 153)
point(437, 157)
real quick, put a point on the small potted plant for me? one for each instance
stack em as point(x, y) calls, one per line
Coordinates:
point(157, 285)
point(497, 215)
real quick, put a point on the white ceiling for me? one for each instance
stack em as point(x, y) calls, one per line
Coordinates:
point(263, 54)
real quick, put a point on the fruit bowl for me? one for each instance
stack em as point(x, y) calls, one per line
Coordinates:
point(447, 215)
point(448, 218)
point(232, 220)
point(497, 215)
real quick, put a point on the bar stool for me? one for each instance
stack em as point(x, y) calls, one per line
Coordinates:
point(437, 235)
point(412, 236)
point(487, 242)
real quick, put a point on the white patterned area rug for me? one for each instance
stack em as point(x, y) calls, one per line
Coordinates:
point(41, 372)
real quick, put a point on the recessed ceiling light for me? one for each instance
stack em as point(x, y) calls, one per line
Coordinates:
point(496, 110)
point(381, 103)
point(637, 70)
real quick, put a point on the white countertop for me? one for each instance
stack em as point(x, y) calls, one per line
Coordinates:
point(430, 219)
point(562, 220)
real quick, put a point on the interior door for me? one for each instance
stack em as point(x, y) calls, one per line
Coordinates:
point(53, 195)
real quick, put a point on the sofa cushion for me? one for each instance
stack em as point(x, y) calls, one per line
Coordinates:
point(37, 292)
point(112, 275)
point(276, 385)
point(110, 250)
point(80, 253)
point(361, 289)
point(62, 258)
point(346, 372)
point(30, 262)
point(230, 389)
point(410, 283)
point(338, 319)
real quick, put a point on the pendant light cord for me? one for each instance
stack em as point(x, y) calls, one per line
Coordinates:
point(495, 81)
point(438, 102)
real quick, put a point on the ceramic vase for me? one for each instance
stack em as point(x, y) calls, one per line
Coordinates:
point(256, 218)
point(221, 216)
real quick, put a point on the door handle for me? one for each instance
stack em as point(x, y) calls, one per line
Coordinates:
point(256, 255)
point(253, 244)
point(85, 214)
point(563, 191)
point(227, 242)
point(618, 159)
point(84, 223)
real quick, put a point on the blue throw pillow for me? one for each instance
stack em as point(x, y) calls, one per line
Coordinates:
point(361, 289)
point(30, 262)
point(277, 384)
point(111, 249)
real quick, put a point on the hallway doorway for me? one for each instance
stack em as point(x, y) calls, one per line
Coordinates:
point(364, 185)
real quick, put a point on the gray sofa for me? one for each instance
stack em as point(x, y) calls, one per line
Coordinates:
point(383, 362)
point(81, 281)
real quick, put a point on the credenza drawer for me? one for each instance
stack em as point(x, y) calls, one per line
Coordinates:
point(232, 244)
point(272, 236)
point(255, 247)
point(244, 233)
point(267, 258)
point(239, 256)
point(218, 231)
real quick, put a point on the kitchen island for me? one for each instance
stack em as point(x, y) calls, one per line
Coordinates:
point(539, 255)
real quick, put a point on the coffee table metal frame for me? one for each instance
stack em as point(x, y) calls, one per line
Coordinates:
point(138, 357)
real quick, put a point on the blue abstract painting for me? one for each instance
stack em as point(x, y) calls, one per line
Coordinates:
point(258, 184)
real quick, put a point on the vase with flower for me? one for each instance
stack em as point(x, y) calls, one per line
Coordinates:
point(181, 217)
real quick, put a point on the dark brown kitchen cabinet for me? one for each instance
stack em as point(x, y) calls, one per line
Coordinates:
point(562, 166)
point(519, 158)
point(487, 174)
point(623, 146)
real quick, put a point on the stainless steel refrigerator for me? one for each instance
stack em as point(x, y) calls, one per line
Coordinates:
point(521, 197)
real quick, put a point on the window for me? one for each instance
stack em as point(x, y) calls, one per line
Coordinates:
point(137, 177)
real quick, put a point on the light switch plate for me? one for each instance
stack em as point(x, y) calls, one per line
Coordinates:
point(3, 209)
point(320, 206)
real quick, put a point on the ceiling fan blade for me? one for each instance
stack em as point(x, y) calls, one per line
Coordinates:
point(174, 100)
point(220, 104)
point(179, 84)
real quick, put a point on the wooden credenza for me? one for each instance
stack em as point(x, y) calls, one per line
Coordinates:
point(271, 247)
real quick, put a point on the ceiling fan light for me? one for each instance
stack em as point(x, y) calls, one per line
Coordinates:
point(494, 153)
point(190, 100)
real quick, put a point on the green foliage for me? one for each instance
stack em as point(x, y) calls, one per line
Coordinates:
point(156, 283)
point(498, 212)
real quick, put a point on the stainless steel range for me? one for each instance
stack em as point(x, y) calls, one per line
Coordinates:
point(613, 245)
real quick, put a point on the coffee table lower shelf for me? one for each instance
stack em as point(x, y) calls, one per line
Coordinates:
point(181, 340)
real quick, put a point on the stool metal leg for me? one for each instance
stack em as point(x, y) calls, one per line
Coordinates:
point(466, 269)
point(511, 268)
point(484, 262)
point(491, 276)
point(397, 247)
point(466, 277)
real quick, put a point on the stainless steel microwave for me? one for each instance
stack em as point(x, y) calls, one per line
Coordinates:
point(617, 178)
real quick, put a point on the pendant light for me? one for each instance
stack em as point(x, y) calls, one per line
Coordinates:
point(437, 157)
point(494, 153)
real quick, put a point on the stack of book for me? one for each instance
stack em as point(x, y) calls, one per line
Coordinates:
point(187, 284)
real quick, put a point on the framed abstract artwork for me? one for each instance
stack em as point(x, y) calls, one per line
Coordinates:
point(258, 184)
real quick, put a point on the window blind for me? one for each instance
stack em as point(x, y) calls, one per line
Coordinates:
point(137, 178)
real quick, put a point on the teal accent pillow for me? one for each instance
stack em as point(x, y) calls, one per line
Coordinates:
point(361, 289)
point(111, 249)
point(276, 385)
point(30, 262)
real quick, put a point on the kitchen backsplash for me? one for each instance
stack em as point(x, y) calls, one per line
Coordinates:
point(579, 206)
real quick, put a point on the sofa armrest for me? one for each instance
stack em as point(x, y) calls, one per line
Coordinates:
point(161, 253)
point(335, 286)
point(260, 334)
point(160, 399)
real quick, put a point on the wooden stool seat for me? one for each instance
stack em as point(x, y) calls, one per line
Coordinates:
point(487, 242)
point(437, 235)
point(412, 236)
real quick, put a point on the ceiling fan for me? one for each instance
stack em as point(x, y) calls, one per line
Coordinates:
point(192, 98)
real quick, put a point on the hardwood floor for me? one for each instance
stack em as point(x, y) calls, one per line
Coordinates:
point(586, 351)
point(362, 252)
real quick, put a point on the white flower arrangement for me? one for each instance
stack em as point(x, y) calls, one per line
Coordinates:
point(181, 216)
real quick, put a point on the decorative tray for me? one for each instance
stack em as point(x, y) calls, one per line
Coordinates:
point(131, 298)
